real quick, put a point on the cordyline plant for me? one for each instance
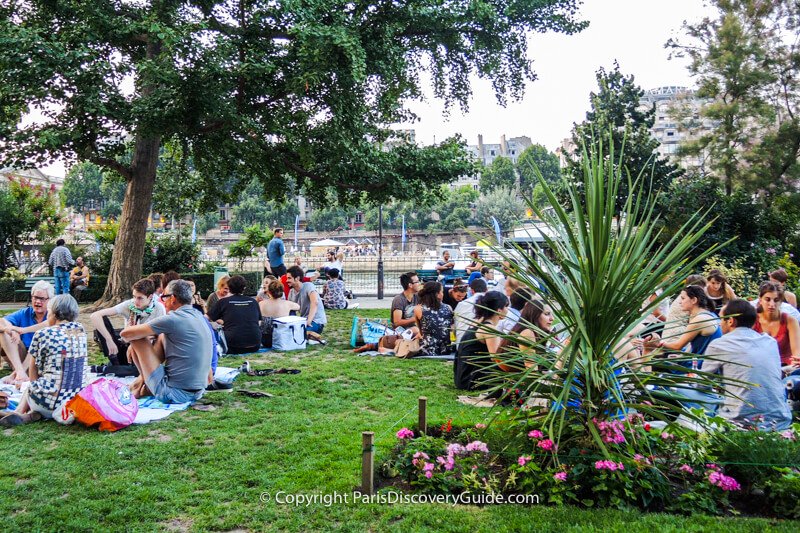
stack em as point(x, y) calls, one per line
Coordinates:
point(600, 267)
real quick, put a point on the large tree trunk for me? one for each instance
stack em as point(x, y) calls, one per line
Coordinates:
point(126, 262)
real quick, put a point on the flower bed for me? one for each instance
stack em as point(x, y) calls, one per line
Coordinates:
point(670, 469)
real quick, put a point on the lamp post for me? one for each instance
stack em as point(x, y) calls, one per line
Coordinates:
point(380, 252)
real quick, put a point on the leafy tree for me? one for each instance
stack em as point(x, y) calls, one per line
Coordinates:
point(254, 237)
point(616, 109)
point(27, 212)
point(417, 216)
point(455, 210)
point(500, 173)
point(253, 208)
point(82, 186)
point(207, 221)
point(501, 203)
point(330, 219)
point(744, 61)
point(252, 89)
point(534, 158)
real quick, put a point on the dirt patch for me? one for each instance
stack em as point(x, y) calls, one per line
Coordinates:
point(160, 437)
point(22, 481)
point(178, 524)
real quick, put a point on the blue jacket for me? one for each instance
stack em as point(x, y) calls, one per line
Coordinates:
point(275, 252)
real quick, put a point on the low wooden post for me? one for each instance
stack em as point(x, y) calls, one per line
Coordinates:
point(367, 463)
point(423, 415)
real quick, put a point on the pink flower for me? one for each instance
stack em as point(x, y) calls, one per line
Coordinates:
point(667, 436)
point(712, 466)
point(641, 459)
point(686, 468)
point(405, 433)
point(546, 444)
point(428, 467)
point(608, 465)
point(560, 476)
point(610, 432)
point(722, 481)
point(789, 434)
point(480, 426)
point(455, 449)
point(523, 459)
point(535, 434)
point(419, 457)
point(477, 446)
point(428, 474)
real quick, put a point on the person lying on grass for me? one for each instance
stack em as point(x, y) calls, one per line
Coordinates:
point(59, 367)
point(177, 367)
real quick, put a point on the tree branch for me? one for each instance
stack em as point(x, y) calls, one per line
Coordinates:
point(112, 164)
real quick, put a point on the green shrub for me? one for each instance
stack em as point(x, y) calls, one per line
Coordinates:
point(752, 456)
point(782, 493)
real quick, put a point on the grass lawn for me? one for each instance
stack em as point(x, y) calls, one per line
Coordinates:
point(206, 470)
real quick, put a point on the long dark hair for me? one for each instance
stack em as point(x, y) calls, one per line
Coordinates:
point(769, 286)
point(429, 295)
point(489, 304)
point(693, 291)
point(529, 317)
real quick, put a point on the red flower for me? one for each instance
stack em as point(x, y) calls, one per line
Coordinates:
point(647, 427)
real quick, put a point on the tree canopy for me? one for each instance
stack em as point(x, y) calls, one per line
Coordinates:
point(500, 174)
point(253, 89)
point(537, 158)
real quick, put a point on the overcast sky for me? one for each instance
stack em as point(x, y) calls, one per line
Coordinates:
point(633, 32)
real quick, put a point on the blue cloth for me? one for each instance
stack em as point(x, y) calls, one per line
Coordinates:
point(157, 383)
point(22, 319)
point(275, 251)
point(474, 275)
point(316, 327)
point(214, 347)
point(62, 280)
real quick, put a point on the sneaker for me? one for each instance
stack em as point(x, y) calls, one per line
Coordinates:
point(245, 368)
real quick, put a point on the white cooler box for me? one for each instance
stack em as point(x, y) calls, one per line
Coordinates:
point(289, 333)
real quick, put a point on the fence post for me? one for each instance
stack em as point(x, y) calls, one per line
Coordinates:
point(367, 463)
point(423, 415)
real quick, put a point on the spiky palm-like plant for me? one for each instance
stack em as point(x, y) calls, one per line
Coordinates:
point(601, 266)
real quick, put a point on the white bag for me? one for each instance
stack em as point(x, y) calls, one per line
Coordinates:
point(289, 333)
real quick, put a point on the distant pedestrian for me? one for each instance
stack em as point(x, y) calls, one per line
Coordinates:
point(275, 252)
point(61, 261)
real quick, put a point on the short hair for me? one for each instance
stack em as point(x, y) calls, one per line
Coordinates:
point(237, 284)
point(276, 230)
point(695, 279)
point(769, 286)
point(296, 272)
point(181, 291)
point(520, 297)
point(60, 242)
point(478, 285)
point(145, 286)
point(223, 281)
point(169, 276)
point(745, 314)
point(485, 270)
point(64, 307)
point(333, 273)
point(79, 258)
point(155, 277)
point(406, 279)
point(779, 275)
point(275, 289)
point(43, 285)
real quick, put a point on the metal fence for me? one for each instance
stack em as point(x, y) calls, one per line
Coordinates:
point(360, 273)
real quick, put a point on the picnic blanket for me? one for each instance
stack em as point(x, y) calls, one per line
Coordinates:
point(445, 357)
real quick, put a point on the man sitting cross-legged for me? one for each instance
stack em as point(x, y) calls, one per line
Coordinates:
point(17, 329)
point(177, 367)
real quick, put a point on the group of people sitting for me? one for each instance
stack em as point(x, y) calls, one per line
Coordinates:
point(754, 345)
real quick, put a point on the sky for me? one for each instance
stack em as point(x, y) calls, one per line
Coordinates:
point(632, 32)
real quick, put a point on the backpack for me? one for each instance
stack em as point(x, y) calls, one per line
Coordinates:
point(105, 403)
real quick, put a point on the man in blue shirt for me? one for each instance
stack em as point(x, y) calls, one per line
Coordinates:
point(17, 329)
point(445, 266)
point(275, 252)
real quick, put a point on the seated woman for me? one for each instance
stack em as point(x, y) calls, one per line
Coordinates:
point(780, 277)
point(718, 291)
point(59, 368)
point(141, 309)
point(703, 324)
point(275, 306)
point(475, 264)
point(262, 293)
point(536, 320)
point(333, 296)
point(480, 343)
point(434, 320)
point(241, 318)
point(222, 292)
point(778, 325)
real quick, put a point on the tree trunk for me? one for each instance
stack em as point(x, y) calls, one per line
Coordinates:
point(126, 261)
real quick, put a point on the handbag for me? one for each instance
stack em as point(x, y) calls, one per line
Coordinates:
point(406, 348)
point(377, 328)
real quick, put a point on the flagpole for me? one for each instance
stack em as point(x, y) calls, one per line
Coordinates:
point(380, 252)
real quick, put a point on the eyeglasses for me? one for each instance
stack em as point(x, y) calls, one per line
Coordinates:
point(165, 295)
point(39, 299)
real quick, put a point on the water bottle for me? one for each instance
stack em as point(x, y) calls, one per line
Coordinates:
point(694, 364)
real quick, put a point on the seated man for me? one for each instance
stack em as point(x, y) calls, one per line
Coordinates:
point(305, 295)
point(79, 277)
point(141, 309)
point(403, 304)
point(177, 367)
point(445, 266)
point(17, 329)
point(752, 358)
point(455, 294)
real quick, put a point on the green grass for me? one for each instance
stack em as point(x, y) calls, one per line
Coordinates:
point(206, 470)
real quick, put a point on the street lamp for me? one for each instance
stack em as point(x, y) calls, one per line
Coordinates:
point(380, 252)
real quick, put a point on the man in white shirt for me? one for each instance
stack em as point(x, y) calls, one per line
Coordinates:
point(465, 310)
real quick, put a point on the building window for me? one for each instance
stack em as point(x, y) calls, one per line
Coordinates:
point(513, 152)
point(359, 217)
point(491, 152)
point(222, 214)
point(475, 187)
point(670, 133)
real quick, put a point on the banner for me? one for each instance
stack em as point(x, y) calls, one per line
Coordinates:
point(497, 231)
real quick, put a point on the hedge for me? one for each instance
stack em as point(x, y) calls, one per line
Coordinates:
point(204, 282)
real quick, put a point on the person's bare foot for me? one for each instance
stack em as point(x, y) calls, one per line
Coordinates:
point(16, 419)
point(370, 346)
